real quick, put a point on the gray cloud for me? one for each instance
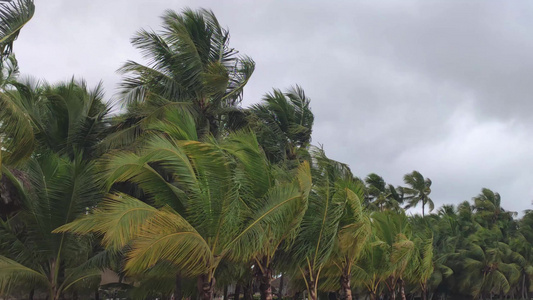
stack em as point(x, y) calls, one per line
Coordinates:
point(437, 86)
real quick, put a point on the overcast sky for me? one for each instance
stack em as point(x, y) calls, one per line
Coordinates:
point(442, 87)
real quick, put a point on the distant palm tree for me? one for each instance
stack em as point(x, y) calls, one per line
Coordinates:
point(417, 191)
point(380, 195)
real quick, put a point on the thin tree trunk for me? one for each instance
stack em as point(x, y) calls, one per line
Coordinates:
point(96, 294)
point(296, 296)
point(31, 294)
point(312, 290)
point(178, 288)
point(372, 296)
point(248, 291)
point(225, 296)
point(402, 289)
point(346, 290)
point(265, 280)
point(206, 285)
point(281, 284)
point(237, 292)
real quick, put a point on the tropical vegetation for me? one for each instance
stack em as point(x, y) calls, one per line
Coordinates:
point(184, 193)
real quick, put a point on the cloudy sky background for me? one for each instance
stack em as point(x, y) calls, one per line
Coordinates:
point(442, 87)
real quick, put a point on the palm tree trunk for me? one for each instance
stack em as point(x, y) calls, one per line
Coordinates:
point(178, 288)
point(346, 290)
point(296, 296)
point(280, 292)
point(372, 296)
point(31, 294)
point(248, 291)
point(225, 296)
point(265, 280)
point(402, 289)
point(206, 285)
point(312, 290)
point(237, 292)
point(96, 294)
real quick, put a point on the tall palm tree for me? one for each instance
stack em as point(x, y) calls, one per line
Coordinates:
point(381, 195)
point(190, 65)
point(211, 201)
point(321, 224)
point(417, 191)
point(373, 267)
point(65, 118)
point(283, 123)
point(60, 191)
point(395, 234)
point(488, 208)
point(355, 229)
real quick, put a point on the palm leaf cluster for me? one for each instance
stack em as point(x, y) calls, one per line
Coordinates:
point(184, 193)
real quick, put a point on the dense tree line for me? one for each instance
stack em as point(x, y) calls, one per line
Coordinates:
point(184, 192)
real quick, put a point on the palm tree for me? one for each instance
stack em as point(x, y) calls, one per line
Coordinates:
point(60, 191)
point(381, 195)
point(394, 231)
point(482, 267)
point(424, 262)
point(354, 231)
point(328, 203)
point(373, 266)
point(488, 208)
point(283, 123)
point(211, 201)
point(66, 118)
point(417, 191)
point(190, 65)
point(13, 16)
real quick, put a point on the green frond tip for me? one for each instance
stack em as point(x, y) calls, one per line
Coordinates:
point(13, 16)
point(119, 219)
point(12, 271)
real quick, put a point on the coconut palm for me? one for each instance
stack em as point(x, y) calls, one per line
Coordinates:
point(417, 191)
point(355, 229)
point(66, 118)
point(30, 255)
point(395, 234)
point(372, 267)
point(211, 201)
point(320, 226)
point(488, 209)
point(380, 195)
point(190, 65)
point(283, 123)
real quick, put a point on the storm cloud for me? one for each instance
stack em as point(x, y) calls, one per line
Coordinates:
point(442, 87)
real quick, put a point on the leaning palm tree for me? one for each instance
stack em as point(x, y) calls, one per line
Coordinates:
point(210, 201)
point(13, 16)
point(488, 209)
point(328, 203)
point(190, 65)
point(355, 230)
point(395, 234)
point(417, 191)
point(380, 195)
point(283, 122)
point(59, 191)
